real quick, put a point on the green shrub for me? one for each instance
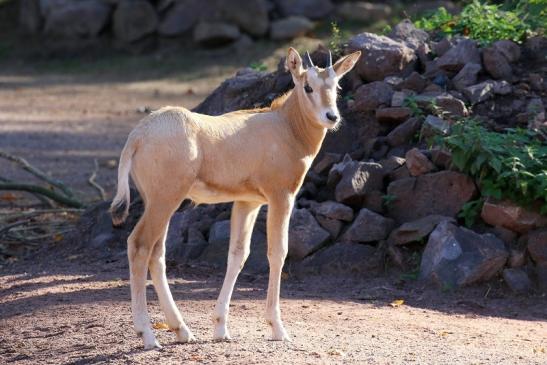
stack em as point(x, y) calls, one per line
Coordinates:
point(511, 165)
point(487, 23)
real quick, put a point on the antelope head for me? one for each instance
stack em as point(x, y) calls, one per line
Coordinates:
point(317, 87)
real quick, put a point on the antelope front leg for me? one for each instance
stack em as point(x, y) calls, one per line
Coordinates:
point(243, 219)
point(279, 212)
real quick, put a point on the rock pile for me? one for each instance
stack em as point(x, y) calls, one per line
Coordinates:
point(376, 189)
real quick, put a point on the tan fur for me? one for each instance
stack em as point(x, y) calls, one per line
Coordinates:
point(252, 157)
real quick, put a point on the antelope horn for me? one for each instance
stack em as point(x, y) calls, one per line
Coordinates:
point(329, 64)
point(310, 62)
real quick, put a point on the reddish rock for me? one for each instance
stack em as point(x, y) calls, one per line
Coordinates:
point(368, 227)
point(416, 230)
point(326, 163)
point(418, 163)
point(537, 245)
point(511, 216)
point(393, 114)
point(496, 64)
point(369, 97)
point(404, 132)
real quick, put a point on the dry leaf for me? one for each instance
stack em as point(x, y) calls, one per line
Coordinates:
point(284, 276)
point(58, 237)
point(335, 352)
point(397, 303)
point(8, 197)
point(160, 326)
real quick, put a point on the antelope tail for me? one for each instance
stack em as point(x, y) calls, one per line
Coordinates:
point(119, 209)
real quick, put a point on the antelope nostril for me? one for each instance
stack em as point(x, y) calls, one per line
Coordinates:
point(332, 117)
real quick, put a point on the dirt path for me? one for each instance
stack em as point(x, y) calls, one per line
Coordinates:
point(73, 311)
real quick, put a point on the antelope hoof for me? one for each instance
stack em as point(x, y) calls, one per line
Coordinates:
point(221, 334)
point(151, 343)
point(279, 333)
point(184, 335)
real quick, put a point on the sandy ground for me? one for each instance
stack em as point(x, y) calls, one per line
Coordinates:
point(72, 309)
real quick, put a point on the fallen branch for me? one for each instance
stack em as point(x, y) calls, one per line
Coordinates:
point(41, 198)
point(35, 189)
point(37, 172)
point(93, 183)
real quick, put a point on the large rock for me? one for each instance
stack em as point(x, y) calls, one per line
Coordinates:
point(496, 64)
point(369, 97)
point(511, 216)
point(407, 33)
point(480, 92)
point(457, 57)
point(214, 34)
point(404, 132)
point(247, 89)
point(290, 27)
point(324, 164)
point(250, 15)
point(134, 19)
point(393, 114)
point(358, 179)
point(350, 259)
point(433, 126)
point(305, 234)
point(382, 57)
point(363, 11)
point(333, 210)
point(517, 280)
point(368, 227)
point(442, 193)
point(417, 163)
point(451, 105)
point(537, 245)
point(467, 76)
point(180, 18)
point(77, 19)
point(508, 49)
point(455, 257)
point(313, 9)
point(416, 230)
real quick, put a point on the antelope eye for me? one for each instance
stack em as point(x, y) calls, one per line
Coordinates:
point(308, 88)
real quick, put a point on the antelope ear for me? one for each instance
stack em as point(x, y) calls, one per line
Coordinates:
point(294, 63)
point(346, 63)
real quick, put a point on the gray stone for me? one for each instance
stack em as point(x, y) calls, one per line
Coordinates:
point(77, 19)
point(393, 114)
point(305, 234)
point(398, 98)
point(457, 57)
point(537, 245)
point(374, 200)
point(290, 27)
point(313, 9)
point(134, 19)
point(250, 15)
point(414, 82)
point(368, 227)
point(442, 193)
point(194, 245)
point(541, 275)
point(502, 88)
point(435, 126)
point(449, 104)
point(214, 34)
point(326, 162)
point(467, 76)
point(174, 240)
point(517, 259)
point(455, 256)
point(417, 163)
point(351, 259)
point(509, 49)
point(335, 173)
point(333, 226)
point(517, 280)
point(479, 92)
point(180, 18)
point(369, 97)
point(333, 210)
point(359, 178)
point(363, 11)
point(403, 133)
point(496, 64)
point(381, 57)
point(407, 33)
point(416, 230)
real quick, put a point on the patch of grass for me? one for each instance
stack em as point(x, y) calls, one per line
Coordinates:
point(487, 22)
point(510, 165)
point(258, 66)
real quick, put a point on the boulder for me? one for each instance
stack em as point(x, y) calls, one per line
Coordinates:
point(351, 259)
point(467, 76)
point(511, 216)
point(404, 132)
point(333, 226)
point(253, 20)
point(496, 64)
point(393, 114)
point(480, 92)
point(417, 163)
point(214, 34)
point(362, 11)
point(416, 230)
point(508, 49)
point(368, 227)
point(457, 57)
point(382, 57)
point(333, 210)
point(305, 234)
point(194, 246)
point(517, 280)
point(290, 27)
point(174, 239)
point(434, 125)
point(414, 82)
point(502, 87)
point(369, 97)
point(358, 178)
point(455, 256)
point(92, 16)
point(326, 162)
point(442, 193)
point(180, 18)
point(537, 245)
point(451, 105)
point(407, 33)
point(134, 19)
point(313, 9)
